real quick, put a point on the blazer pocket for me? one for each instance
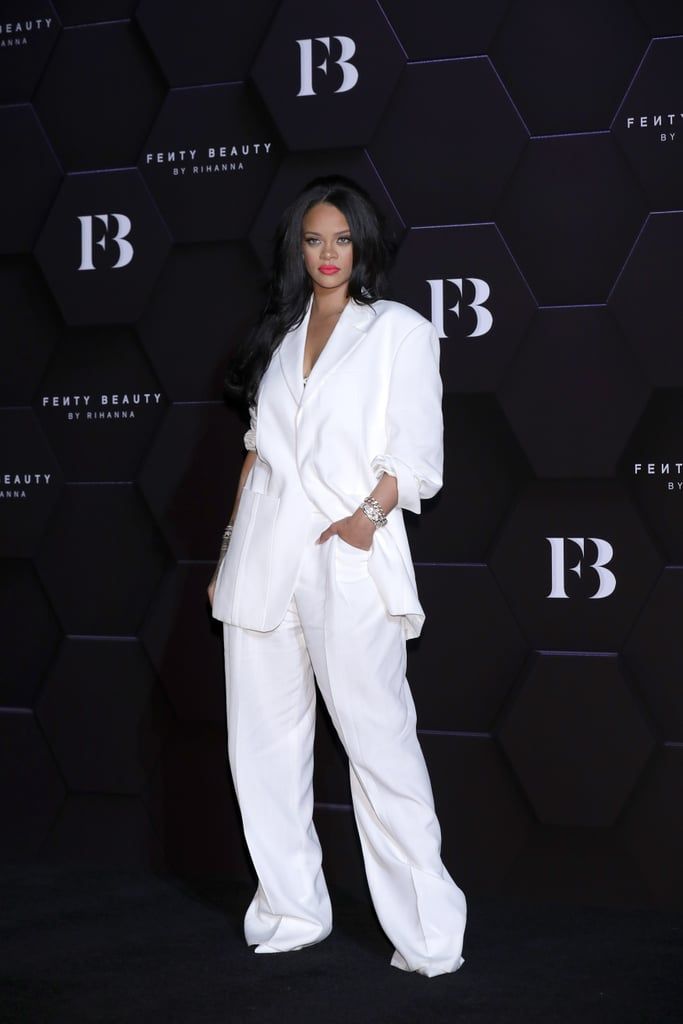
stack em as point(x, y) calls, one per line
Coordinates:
point(247, 568)
point(351, 564)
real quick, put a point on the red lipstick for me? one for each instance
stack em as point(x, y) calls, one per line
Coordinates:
point(328, 269)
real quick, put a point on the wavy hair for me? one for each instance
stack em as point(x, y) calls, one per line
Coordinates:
point(290, 287)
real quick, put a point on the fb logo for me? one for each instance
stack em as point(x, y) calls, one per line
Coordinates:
point(606, 578)
point(348, 70)
point(484, 320)
point(125, 249)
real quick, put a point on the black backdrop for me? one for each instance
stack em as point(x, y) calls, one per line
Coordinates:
point(529, 158)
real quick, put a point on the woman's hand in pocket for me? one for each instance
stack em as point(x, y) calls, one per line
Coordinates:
point(356, 530)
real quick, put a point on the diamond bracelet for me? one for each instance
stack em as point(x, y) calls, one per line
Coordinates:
point(225, 540)
point(374, 511)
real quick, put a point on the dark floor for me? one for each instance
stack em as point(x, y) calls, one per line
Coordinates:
point(80, 945)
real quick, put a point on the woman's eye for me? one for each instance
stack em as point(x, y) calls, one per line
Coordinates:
point(344, 238)
point(312, 241)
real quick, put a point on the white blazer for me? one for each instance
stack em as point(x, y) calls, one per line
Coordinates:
point(372, 404)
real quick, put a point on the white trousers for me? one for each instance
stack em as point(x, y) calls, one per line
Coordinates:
point(338, 629)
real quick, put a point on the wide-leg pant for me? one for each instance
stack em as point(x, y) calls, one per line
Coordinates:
point(338, 629)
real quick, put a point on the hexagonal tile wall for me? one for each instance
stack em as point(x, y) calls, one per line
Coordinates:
point(526, 159)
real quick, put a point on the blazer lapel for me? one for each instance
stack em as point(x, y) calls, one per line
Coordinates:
point(348, 332)
point(291, 355)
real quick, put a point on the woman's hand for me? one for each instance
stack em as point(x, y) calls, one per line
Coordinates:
point(211, 589)
point(357, 530)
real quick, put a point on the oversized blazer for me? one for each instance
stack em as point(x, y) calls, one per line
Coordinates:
point(372, 404)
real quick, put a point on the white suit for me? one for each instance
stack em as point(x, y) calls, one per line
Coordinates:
point(293, 609)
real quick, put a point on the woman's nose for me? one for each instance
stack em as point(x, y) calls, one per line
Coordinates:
point(329, 250)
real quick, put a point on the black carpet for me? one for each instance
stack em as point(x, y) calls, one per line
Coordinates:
point(79, 945)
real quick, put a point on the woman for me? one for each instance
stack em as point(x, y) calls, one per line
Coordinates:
point(316, 578)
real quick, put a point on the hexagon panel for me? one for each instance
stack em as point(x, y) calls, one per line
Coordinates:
point(208, 161)
point(654, 654)
point(97, 829)
point(226, 283)
point(484, 816)
point(102, 247)
point(203, 445)
point(653, 268)
point(548, 216)
point(473, 149)
point(652, 826)
point(28, 327)
point(217, 44)
point(95, 531)
point(576, 565)
point(184, 643)
point(326, 74)
point(648, 127)
point(102, 716)
point(100, 414)
point(432, 29)
point(101, 76)
point(576, 738)
point(30, 483)
point(28, 618)
point(31, 786)
point(31, 177)
point(652, 470)
point(27, 44)
point(568, 352)
point(567, 65)
point(481, 482)
point(465, 281)
point(463, 664)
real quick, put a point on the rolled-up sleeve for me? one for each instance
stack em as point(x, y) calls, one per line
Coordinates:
point(250, 436)
point(414, 425)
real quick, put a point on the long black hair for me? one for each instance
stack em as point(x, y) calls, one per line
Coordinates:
point(290, 287)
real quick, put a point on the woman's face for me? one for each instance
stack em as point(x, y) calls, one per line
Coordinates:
point(327, 247)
